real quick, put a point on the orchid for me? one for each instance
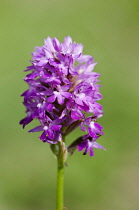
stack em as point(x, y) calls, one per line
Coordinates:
point(62, 95)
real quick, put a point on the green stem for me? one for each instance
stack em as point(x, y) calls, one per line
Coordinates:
point(60, 178)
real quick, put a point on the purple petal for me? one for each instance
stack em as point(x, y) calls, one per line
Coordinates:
point(98, 146)
point(91, 152)
point(78, 49)
point(32, 75)
point(29, 68)
point(43, 136)
point(67, 41)
point(51, 99)
point(26, 120)
point(49, 44)
point(84, 58)
point(56, 44)
point(60, 98)
point(36, 129)
point(83, 128)
point(66, 94)
point(50, 134)
point(56, 127)
point(74, 115)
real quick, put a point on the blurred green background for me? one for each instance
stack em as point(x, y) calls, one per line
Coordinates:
point(109, 31)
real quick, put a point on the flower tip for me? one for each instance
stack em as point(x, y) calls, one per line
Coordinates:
point(22, 123)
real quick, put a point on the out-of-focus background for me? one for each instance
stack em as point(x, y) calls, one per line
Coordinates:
point(109, 31)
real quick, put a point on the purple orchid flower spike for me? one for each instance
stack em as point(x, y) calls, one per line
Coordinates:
point(60, 94)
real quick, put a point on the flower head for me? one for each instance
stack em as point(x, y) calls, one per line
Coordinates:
point(62, 88)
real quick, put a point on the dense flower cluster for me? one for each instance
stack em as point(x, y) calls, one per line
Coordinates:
point(62, 89)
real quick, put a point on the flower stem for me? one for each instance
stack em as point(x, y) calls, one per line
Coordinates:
point(60, 178)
